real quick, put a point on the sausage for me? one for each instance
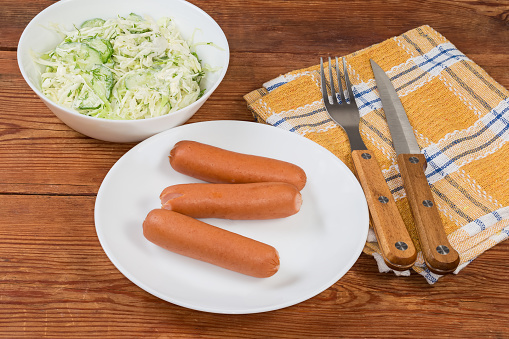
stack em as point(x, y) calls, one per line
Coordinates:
point(193, 238)
point(261, 200)
point(217, 165)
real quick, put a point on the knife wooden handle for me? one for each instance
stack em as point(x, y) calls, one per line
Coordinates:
point(438, 253)
point(395, 243)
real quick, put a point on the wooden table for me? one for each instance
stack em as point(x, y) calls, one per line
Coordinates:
point(55, 279)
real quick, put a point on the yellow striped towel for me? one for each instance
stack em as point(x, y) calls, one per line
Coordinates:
point(460, 116)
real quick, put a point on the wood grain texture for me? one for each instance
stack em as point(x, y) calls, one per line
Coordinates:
point(439, 255)
point(57, 281)
point(386, 220)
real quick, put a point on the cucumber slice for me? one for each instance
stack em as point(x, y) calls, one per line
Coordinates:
point(85, 57)
point(103, 46)
point(140, 78)
point(102, 82)
point(97, 91)
point(97, 22)
point(87, 100)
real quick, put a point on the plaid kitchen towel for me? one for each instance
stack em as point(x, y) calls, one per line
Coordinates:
point(460, 117)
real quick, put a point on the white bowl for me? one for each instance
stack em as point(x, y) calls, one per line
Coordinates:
point(38, 37)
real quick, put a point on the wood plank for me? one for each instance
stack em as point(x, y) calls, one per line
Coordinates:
point(281, 25)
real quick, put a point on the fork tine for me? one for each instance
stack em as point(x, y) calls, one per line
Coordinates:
point(331, 81)
point(340, 86)
point(323, 83)
point(348, 85)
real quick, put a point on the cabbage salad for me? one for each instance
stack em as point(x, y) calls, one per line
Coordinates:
point(123, 68)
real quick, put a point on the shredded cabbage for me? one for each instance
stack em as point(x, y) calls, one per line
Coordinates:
point(123, 68)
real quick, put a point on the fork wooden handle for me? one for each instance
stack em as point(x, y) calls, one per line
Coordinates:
point(438, 253)
point(395, 243)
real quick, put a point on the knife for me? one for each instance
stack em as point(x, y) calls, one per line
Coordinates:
point(439, 255)
point(396, 245)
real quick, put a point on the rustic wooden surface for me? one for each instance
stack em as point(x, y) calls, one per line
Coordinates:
point(55, 279)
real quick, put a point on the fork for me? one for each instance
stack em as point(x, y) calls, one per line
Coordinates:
point(396, 245)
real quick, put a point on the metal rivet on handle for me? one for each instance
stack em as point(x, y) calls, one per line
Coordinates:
point(442, 249)
point(413, 160)
point(366, 156)
point(401, 245)
point(383, 199)
point(427, 203)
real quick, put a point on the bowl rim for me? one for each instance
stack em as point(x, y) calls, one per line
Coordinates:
point(47, 101)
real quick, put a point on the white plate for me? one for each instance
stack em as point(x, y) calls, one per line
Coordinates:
point(317, 246)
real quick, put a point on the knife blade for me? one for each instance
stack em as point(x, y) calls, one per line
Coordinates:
point(439, 255)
